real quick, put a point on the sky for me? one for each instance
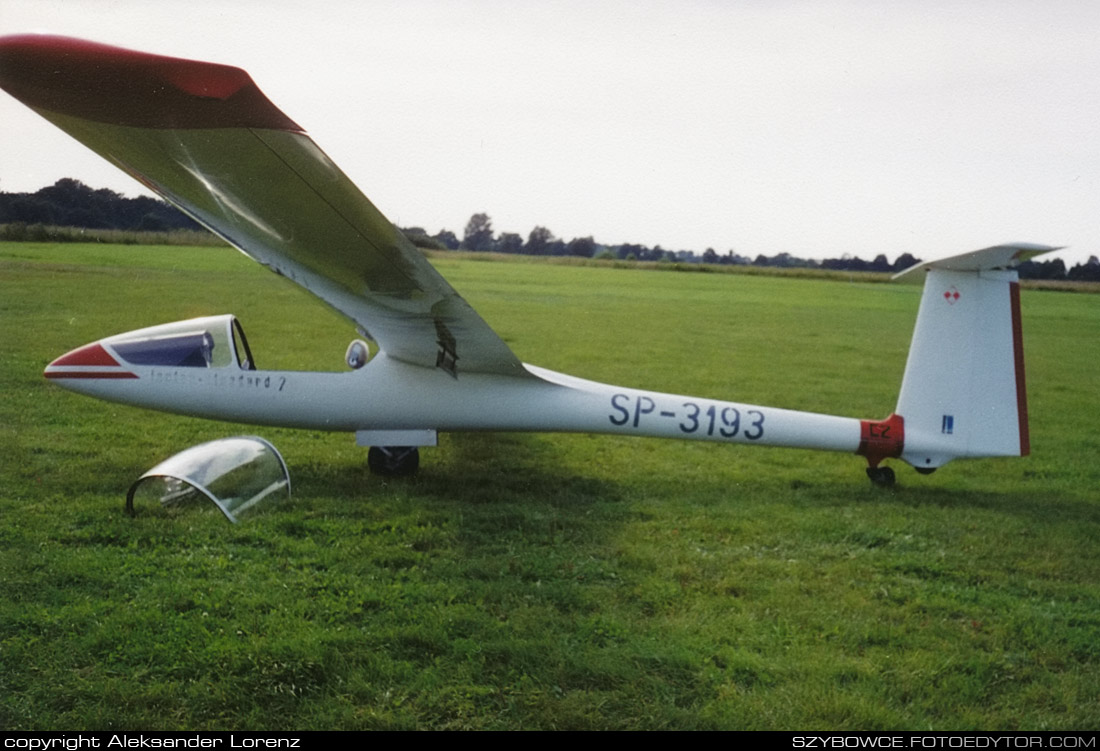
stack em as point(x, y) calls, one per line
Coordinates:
point(764, 126)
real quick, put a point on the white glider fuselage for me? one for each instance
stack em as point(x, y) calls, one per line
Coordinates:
point(407, 404)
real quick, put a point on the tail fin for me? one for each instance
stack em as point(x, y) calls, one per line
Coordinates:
point(963, 394)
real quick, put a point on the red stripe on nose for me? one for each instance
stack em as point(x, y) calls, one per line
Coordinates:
point(89, 354)
point(88, 374)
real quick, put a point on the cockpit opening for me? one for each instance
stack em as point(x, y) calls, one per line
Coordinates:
point(186, 350)
point(213, 342)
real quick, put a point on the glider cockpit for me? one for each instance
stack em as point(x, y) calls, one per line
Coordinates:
point(211, 342)
point(215, 342)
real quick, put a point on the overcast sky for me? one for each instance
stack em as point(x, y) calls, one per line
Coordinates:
point(815, 128)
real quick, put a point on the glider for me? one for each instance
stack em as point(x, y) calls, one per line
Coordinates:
point(204, 137)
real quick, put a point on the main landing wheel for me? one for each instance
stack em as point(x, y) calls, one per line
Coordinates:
point(393, 461)
point(882, 477)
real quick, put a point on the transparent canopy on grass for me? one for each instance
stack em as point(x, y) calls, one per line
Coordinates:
point(235, 474)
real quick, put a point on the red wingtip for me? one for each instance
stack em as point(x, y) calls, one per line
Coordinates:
point(124, 87)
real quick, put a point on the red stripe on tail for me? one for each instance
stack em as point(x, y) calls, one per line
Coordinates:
point(1018, 352)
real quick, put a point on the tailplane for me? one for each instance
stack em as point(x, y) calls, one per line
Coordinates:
point(963, 394)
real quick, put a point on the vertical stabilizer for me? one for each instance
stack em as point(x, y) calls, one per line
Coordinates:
point(964, 394)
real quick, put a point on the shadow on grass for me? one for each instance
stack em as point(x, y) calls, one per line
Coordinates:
point(492, 505)
point(1031, 502)
point(469, 468)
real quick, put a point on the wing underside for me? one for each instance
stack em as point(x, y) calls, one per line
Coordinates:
point(205, 138)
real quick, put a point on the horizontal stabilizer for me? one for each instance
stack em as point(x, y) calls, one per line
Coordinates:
point(998, 257)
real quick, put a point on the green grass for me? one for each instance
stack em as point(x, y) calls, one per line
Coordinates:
point(546, 581)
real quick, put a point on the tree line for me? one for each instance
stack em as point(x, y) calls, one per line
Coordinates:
point(71, 203)
point(479, 236)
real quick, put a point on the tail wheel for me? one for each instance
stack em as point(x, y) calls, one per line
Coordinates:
point(882, 477)
point(393, 461)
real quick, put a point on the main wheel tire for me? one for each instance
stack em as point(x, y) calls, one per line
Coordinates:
point(393, 461)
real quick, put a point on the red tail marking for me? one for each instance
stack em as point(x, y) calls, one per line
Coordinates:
point(1018, 352)
point(881, 439)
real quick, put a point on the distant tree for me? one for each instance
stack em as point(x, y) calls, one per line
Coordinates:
point(880, 263)
point(509, 242)
point(787, 261)
point(447, 239)
point(1086, 272)
point(710, 256)
point(904, 261)
point(84, 217)
point(26, 208)
point(151, 223)
point(845, 263)
point(71, 203)
point(539, 242)
point(584, 247)
point(631, 251)
point(66, 192)
point(1055, 269)
point(479, 233)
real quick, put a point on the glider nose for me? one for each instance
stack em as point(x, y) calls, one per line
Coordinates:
point(89, 361)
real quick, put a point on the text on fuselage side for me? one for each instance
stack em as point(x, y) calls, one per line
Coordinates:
point(244, 379)
point(692, 418)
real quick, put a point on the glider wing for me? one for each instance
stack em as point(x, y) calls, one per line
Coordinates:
point(203, 136)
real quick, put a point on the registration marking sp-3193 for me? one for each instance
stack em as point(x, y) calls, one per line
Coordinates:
point(691, 417)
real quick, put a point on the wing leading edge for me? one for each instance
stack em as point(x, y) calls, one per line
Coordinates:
point(204, 137)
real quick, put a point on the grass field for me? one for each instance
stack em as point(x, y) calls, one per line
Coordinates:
point(546, 581)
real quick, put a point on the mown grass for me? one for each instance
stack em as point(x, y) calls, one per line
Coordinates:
point(529, 581)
